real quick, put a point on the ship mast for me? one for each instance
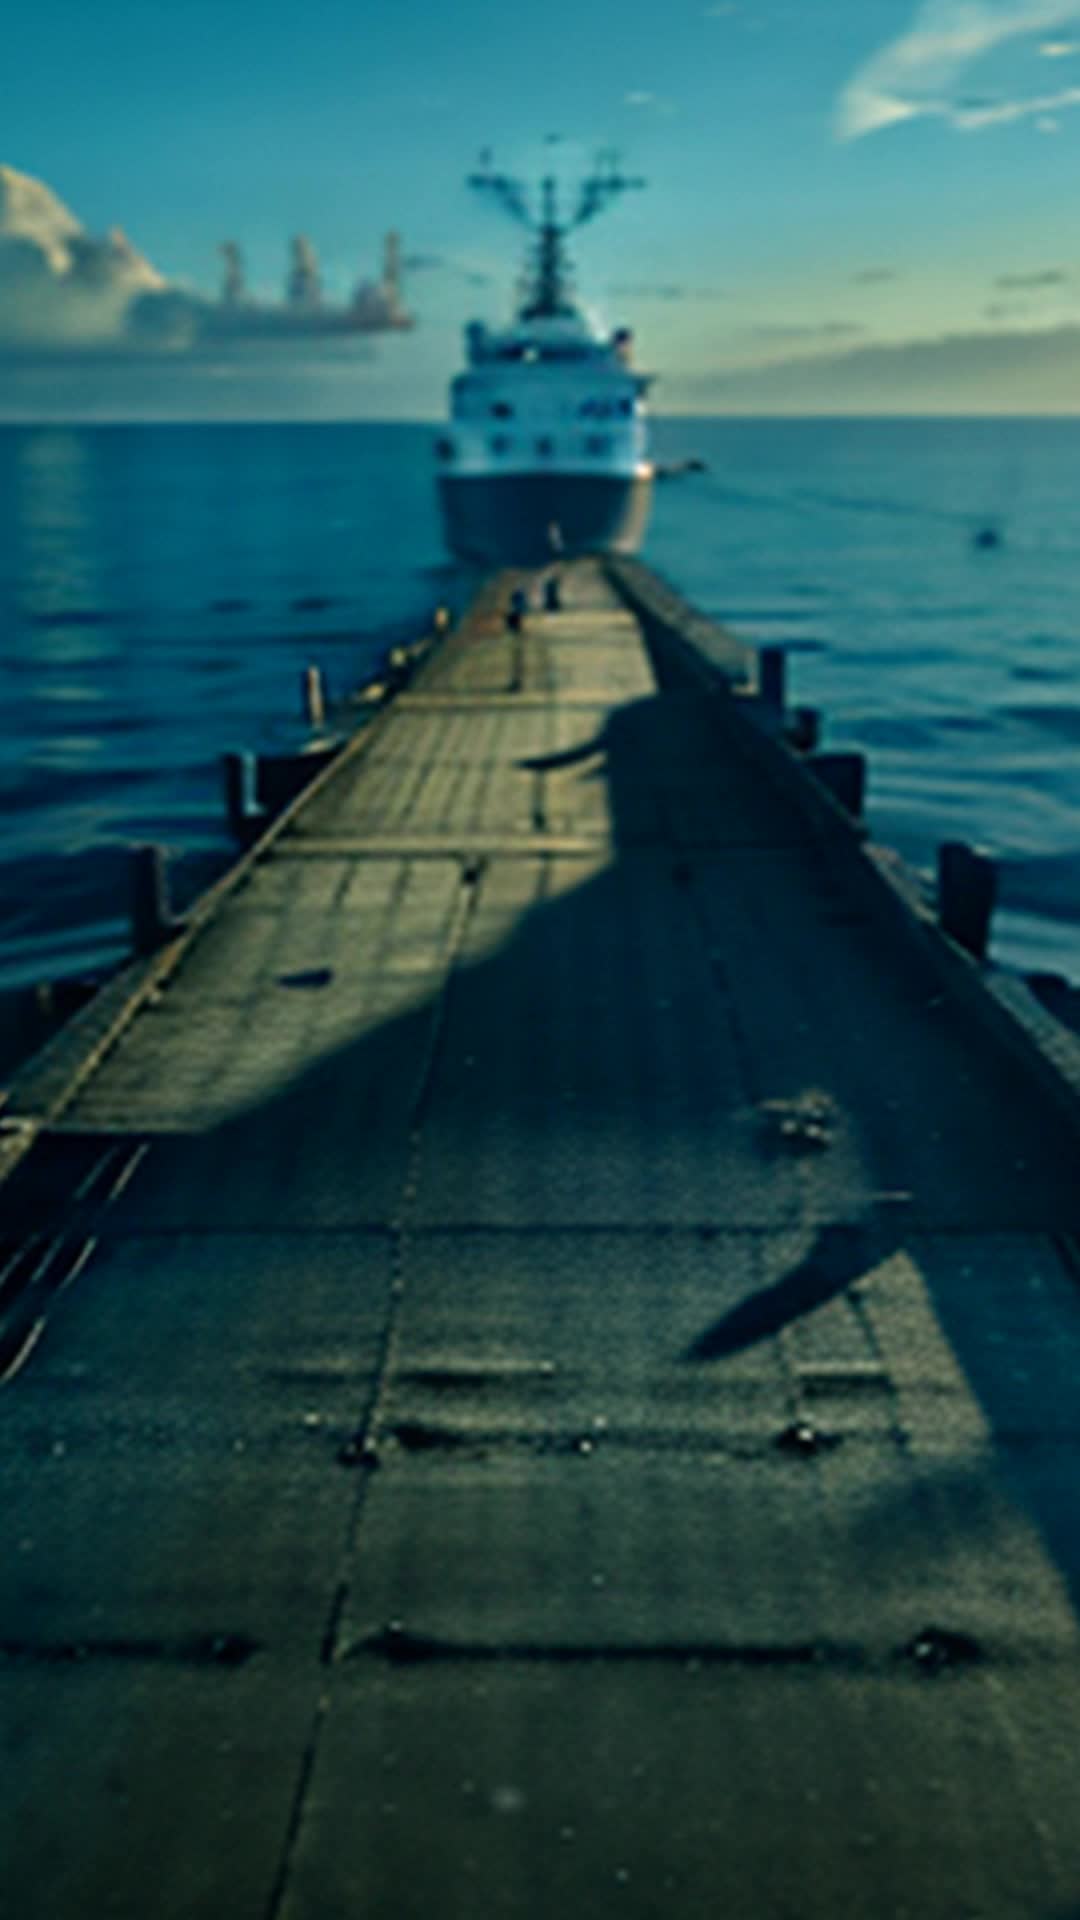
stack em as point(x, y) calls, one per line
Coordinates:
point(548, 294)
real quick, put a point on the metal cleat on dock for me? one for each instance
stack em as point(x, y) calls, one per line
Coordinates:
point(805, 1121)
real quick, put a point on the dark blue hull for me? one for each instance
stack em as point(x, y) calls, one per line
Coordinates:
point(528, 519)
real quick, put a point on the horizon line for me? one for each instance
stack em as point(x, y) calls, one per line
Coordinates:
point(27, 421)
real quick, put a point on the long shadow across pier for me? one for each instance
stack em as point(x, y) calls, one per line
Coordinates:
point(495, 1456)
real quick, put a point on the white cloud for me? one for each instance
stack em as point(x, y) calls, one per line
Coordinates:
point(59, 284)
point(640, 100)
point(1000, 113)
point(914, 76)
point(64, 291)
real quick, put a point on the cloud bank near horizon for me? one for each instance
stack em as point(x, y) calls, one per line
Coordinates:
point(66, 294)
point(1036, 370)
point(915, 76)
point(60, 286)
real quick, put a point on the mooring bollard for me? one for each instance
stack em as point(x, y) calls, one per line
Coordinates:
point(772, 677)
point(313, 696)
point(966, 896)
point(398, 664)
point(152, 921)
point(844, 774)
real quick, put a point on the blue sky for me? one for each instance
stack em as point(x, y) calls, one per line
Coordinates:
point(837, 193)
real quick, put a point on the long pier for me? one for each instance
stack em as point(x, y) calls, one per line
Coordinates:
point(541, 1342)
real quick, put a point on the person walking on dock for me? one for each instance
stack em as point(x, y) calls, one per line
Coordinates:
point(518, 608)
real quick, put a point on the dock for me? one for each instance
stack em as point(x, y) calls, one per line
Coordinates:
point(541, 1349)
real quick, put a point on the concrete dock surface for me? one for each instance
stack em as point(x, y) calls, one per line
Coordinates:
point(556, 1384)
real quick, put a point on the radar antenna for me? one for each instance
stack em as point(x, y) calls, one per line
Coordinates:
point(548, 287)
point(603, 186)
point(509, 193)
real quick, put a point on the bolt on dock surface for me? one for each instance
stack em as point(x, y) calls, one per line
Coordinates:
point(552, 1379)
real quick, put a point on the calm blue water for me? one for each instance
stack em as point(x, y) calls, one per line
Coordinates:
point(956, 669)
point(152, 616)
point(153, 583)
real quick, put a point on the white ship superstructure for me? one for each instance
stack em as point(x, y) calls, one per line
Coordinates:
point(546, 449)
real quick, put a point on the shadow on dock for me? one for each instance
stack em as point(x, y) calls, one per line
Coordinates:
point(535, 1142)
point(605, 1065)
point(839, 1256)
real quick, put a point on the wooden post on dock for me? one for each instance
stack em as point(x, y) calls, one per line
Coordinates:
point(772, 677)
point(152, 921)
point(967, 894)
point(313, 696)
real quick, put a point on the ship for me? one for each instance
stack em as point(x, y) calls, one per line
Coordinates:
point(546, 449)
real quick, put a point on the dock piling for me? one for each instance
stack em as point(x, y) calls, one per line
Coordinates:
point(966, 895)
point(152, 919)
point(313, 696)
point(772, 677)
point(240, 772)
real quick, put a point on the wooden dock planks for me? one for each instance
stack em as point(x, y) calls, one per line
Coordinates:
point(495, 1459)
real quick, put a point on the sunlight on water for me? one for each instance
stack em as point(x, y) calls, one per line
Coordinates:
point(54, 498)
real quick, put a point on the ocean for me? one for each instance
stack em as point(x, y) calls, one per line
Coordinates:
point(162, 589)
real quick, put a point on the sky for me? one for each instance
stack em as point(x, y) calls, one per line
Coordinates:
point(854, 205)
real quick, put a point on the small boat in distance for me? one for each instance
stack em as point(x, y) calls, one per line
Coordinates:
point(546, 452)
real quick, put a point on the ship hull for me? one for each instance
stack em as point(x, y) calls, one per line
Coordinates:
point(508, 520)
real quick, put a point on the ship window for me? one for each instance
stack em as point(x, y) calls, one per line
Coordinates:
point(598, 443)
point(626, 407)
point(445, 449)
point(502, 410)
point(545, 446)
point(500, 443)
